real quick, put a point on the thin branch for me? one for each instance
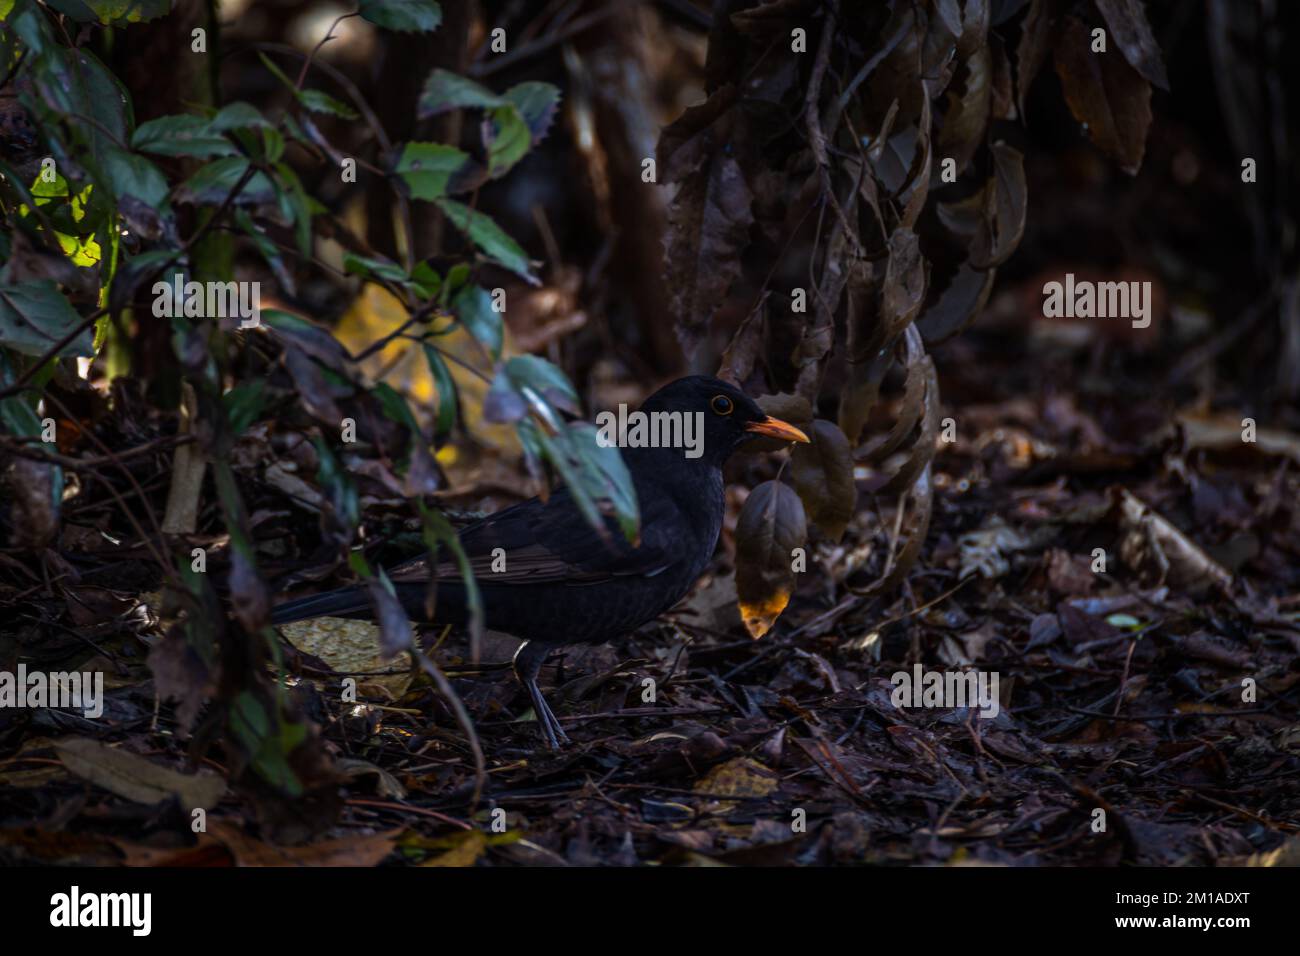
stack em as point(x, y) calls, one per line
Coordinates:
point(329, 35)
point(812, 118)
point(544, 43)
point(21, 448)
point(372, 120)
point(462, 717)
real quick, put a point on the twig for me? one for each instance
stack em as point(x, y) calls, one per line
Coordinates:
point(541, 44)
point(163, 558)
point(812, 118)
point(18, 447)
point(406, 808)
point(462, 717)
point(329, 35)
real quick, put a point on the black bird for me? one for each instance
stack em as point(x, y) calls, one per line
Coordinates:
point(563, 582)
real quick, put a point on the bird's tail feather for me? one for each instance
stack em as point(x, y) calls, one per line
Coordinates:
point(341, 603)
point(355, 602)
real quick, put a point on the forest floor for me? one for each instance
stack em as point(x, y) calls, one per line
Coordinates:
point(1147, 714)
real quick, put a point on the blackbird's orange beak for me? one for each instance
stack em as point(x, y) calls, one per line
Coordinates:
point(775, 428)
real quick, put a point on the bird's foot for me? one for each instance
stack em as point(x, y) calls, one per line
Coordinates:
point(546, 719)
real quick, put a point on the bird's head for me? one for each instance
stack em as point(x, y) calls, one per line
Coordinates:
point(727, 417)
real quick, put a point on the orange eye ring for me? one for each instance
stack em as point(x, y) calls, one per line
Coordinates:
point(722, 405)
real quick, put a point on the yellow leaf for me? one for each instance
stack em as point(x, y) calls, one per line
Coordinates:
point(469, 846)
point(402, 364)
point(762, 614)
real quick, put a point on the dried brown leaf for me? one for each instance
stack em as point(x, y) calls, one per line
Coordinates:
point(1132, 34)
point(136, 778)
point(1107, 95)
point(770, 527)
point(823, 475)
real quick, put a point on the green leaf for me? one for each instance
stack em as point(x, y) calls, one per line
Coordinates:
point(268, 746)
point(426, 280)
point(373, 268)
point(32, 27)
point(473, 306)
point(239, 115)
point(113, 12)
point(422, 476)
point(444, 388)
point(437, 530)
point(395, 407)
point(319, 102)
point(504, 405)
point(17, 416)
point(528, 382)
point(182, 135)
point(296, 204)
point(531, 373)
point(132, 175)
point(517, 121)
point(313, 100)
point(445, 91)
point(457, 276)
point(213, 183)
point(405, 16)
point(537, 103)
point(244, 403)
point(604, 474)
point(268, 250)
point(334, 478)
point(507, 139)
point(423, 280)
point(429, 168)
point(489, 237)
point(74, 87)
point(592, 475)
point(35, 315)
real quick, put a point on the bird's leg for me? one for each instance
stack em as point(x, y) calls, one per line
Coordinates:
point(528, 664)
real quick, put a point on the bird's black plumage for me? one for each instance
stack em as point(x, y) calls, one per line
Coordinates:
point(563, 582)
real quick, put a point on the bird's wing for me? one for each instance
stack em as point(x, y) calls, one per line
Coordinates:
point(554, 543)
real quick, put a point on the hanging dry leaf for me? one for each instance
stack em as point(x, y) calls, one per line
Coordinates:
point(1037, 34)
point(1132, 34)
point(770, 527)
point(823, 475)
point(709, 217)
point(1108, 96)
point(1006, 198)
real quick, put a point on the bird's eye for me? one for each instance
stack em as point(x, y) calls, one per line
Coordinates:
point(722, 405)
